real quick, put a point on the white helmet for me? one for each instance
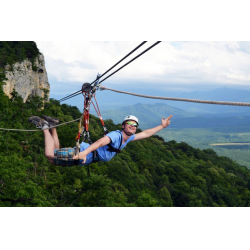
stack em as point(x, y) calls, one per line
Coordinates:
point(132, 118)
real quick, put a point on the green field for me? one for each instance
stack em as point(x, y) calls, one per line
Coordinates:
point(203, 138)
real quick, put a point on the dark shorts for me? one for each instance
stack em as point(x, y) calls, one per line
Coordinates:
point(64, 157)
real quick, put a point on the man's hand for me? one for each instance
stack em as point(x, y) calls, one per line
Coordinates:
point(166, 122)
point(100, 143)
point(149, 132)
point(80, 156)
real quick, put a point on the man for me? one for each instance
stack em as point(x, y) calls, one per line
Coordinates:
point(106, 147)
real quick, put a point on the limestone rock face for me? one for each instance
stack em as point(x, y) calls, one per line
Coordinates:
point(25, 80)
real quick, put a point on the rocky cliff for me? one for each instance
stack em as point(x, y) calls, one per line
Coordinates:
point(27, 79)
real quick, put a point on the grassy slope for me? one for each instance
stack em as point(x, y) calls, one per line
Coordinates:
point(202, 138)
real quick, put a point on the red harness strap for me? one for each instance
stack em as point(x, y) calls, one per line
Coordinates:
point(88, 92)
point(99, 115)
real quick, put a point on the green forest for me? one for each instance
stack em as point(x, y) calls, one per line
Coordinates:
point(204, 138)
point(11, 52)
point(148, 173)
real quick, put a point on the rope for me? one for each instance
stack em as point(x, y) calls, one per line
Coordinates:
point(39, 129)
point(99, 112)
point(180, 99)
point(20, 129)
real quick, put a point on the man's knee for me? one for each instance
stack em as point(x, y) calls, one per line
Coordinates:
point(50, 157)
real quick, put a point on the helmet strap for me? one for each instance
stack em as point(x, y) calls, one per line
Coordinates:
point(125, 132)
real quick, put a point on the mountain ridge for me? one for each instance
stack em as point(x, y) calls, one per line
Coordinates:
point(150, 115)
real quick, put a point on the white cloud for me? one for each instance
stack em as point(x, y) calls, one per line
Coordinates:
point(175, 62)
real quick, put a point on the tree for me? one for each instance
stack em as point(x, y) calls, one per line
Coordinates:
point(146, 200)
point(164, 194)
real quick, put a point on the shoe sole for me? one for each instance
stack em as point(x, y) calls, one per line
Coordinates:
point(40, 123)
point(35, 119)
point(51, 120)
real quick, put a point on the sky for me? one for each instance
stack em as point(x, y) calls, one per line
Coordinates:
point(168, 67)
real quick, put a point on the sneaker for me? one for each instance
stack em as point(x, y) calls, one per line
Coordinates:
point(40, 123)
point(51, 120)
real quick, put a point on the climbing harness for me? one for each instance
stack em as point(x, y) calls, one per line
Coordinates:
point(112, 149)
point(88, 92)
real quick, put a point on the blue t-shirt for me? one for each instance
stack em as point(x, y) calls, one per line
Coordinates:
point(105, 155)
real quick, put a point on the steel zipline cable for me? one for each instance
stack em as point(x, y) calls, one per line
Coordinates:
point(131, 61)
point(79, 91)
point(120, 61)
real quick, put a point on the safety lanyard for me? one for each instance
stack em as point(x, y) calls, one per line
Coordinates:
point(83, 127)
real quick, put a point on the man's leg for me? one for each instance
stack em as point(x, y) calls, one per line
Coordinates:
point(50, 139)
point(49, 145)
point(55, 138)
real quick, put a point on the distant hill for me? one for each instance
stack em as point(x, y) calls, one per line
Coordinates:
point(109, 100)
point(149, 114)
point(220, 94)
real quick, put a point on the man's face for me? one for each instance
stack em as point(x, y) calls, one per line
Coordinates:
point(129, 127)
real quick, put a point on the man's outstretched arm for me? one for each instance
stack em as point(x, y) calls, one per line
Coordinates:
point(100, 143)
point(149, 132)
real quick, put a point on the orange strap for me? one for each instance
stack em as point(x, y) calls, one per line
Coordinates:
point(84, 122)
